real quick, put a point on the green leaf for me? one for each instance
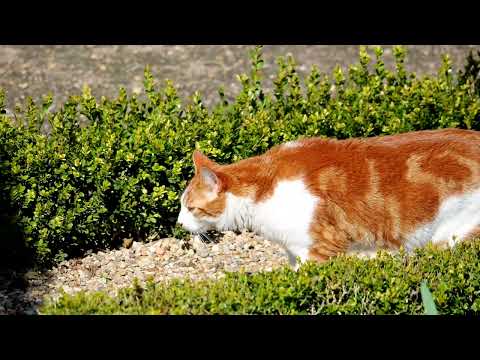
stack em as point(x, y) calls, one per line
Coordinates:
point(427, 299)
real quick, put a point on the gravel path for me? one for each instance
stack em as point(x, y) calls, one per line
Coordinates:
point(158, 260)
point(36, 70)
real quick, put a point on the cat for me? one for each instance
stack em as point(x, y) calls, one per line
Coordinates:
point(322, 197)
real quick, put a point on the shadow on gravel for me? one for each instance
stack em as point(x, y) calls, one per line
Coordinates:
point(15, 262)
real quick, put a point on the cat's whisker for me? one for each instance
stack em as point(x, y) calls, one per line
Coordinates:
point(204, 237)
point(208, 237)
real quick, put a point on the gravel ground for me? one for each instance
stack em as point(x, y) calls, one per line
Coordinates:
point(36, 70)
point(158, 260)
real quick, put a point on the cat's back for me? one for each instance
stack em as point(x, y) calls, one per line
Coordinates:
point(426, 138)
point(431, 164)
point(391, 149)
point(394, 142)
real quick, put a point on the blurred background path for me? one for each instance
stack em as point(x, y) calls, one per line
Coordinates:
point(36, 70)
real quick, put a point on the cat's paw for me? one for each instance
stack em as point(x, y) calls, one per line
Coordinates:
point(296, 266)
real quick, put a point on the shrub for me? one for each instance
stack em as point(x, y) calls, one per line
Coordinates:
point(389, 284)
point(109, 168)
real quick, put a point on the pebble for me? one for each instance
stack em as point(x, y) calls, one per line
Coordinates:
point(160, 252)
point(127, 243)
point(200, 248)
point(30, 275)
point(136, 245)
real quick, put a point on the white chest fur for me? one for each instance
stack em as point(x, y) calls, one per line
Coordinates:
point(284, 218)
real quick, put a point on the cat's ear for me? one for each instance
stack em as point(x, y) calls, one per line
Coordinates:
point(211, 179)
point(200, 160)
point(209, 172)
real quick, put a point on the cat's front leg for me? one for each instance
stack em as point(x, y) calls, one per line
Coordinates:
point(292, 259)
point(295, 259)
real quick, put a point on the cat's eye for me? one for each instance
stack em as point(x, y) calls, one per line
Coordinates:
point(198, 210)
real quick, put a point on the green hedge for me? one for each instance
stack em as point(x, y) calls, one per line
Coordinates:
point(385, 285)
point(111, 168)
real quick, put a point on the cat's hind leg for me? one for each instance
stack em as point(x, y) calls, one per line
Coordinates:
point(472, 235)
point(328, 242)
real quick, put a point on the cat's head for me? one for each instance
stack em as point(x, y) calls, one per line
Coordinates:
point(204, 200)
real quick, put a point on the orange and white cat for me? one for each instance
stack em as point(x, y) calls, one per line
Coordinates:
point(321, 197)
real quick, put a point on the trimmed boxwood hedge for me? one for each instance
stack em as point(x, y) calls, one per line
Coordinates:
point(98, 170)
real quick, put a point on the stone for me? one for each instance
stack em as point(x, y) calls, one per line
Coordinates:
point(200, 248)
point(145, 262)
point(31, 275)
point(122, 272)
point(142, 252)
point(231, 267)
point(127, 243)
point(202, 252)
point(136, 245)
